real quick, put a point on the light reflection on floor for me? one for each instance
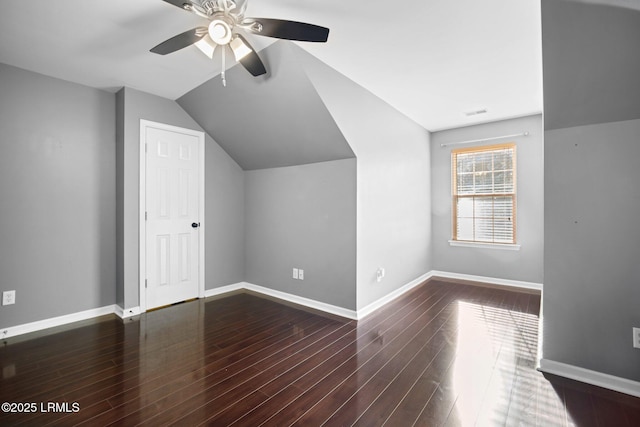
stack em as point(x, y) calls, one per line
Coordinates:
point(497, 350)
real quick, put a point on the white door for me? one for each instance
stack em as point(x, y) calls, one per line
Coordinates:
point(172, 215)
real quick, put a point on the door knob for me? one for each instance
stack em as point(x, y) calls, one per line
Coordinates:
point(195, 224)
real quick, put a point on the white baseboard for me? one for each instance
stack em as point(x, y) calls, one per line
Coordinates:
point(367, 310)
point(588, 376)
point(224, 289)
point(129, 312)
point(490, 280)
point(56, 321)
point(318, 305)
point(307, 302)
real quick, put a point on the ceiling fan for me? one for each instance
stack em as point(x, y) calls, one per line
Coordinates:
point(226, 18)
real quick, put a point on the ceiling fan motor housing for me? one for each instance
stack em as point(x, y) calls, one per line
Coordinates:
point(220, 30)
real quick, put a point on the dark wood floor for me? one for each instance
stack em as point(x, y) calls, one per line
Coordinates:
point(443, 354)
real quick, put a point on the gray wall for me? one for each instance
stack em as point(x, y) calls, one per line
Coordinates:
point(591, 63)
point(592, 197)
point(592, 247)
point(223, 192)
point(224, 215)
point(57, 184)
point(303, 217)
point(525, 264)
point(394, 182)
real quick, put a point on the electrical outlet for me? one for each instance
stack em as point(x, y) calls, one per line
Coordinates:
point(636, 337)
point(295, 273)
point(300, 274)
point(8, 297)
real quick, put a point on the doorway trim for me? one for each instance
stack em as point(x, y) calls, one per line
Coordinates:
point(142, 239)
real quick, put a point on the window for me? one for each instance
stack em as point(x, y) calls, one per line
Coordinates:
point(484, 194)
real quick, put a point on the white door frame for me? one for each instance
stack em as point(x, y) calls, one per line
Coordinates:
point(142, 260)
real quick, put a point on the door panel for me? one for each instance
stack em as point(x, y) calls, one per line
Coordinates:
point(172, 203)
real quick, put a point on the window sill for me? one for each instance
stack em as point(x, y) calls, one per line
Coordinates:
point(499, 246)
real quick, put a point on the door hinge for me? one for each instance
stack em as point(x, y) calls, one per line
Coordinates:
point(146, 214)
point(145, 283)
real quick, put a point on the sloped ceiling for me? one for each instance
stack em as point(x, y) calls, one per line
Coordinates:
point(585, 80)
point(271, 121)
point(431, 60)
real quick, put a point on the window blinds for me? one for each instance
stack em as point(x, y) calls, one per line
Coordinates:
point(484, 194)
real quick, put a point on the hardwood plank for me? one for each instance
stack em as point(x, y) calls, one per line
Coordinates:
point(334, 389)
point(214, 379)
point(471, 368)
point(633, 414)
point(424, 345)
point(368, 332)
point(108, 377)
point(609, 412)
point(422, 389)
point(522, 400)
point(485, 331)
point(580, 409)
point(388, 393)
point(234, 358)
point(282, 390)
point(517, 357)
point(550, 405)
point(256, 420)
point(445, 353)
point(39, 387)
point(228, 390)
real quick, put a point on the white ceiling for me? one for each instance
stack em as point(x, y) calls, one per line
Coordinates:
point(430, 59)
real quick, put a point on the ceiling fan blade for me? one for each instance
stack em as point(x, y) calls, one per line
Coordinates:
point(180, 41)
point(289, 30)
point(182, 4)
point(247, 56)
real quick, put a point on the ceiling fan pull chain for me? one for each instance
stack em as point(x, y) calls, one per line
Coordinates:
point(224, 80)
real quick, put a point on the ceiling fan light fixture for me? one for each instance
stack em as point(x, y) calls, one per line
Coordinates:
point(239, 48)
point(206, 46)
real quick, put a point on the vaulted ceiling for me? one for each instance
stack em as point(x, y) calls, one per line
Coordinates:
point(259, 133)
point(431, 60)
